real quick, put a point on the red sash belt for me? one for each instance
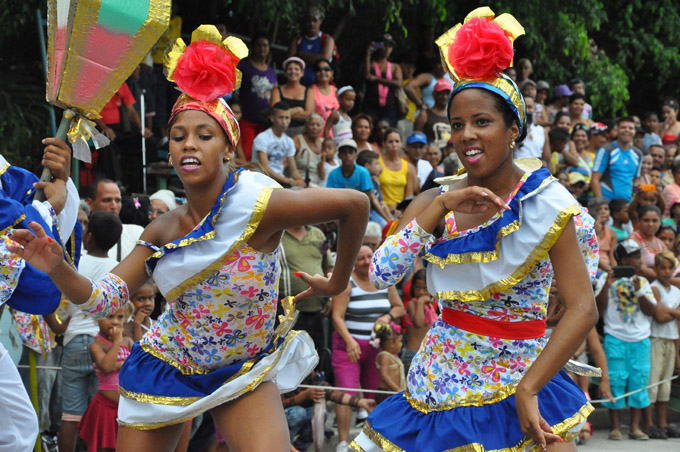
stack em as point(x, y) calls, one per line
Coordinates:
point(530, 329)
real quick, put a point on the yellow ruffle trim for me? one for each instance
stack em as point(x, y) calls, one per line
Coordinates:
point(256, 381)
point(487, 256)
point(561, 429)
point(473, 400)
point(534, 257)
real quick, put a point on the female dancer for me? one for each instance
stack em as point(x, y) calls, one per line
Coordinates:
point(215, 259)
point(484, 377)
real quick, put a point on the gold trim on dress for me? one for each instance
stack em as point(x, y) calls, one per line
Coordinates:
point(253, 223)
point(19, 220)
point(561, 429)
point(473, 400)
point(4, 169)
point(538, 253)
point(256, 381)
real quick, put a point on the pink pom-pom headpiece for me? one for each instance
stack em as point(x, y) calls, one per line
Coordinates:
point(206, 71)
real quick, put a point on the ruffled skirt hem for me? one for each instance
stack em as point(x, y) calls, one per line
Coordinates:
point(286, 367)
point(395, 426)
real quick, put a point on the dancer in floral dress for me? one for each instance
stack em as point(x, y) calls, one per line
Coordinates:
point(215, 259)
point(485, 377)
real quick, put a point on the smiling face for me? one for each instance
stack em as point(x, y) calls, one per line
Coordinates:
point(564, 122)
point(626, 133)
point(580, 139)
point(668, 113)
point(480, 135)
point(658, 156)
point(324, 73)
point(361, 129)
point(199, 148)
point(363, 261)
point(293, 71)
point(646, 164)
point(433, 155)
point(576, 108)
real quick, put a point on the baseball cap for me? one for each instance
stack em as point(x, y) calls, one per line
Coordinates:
point(575, 177)
point(442, 85)
point(417, 137)
point(293, 59)
point(525, 83)
point(598, 128)
point(626, 248)
point(348, 142)
point(542, 84)
point(562, 90)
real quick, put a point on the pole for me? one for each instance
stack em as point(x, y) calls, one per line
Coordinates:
point(34, 393)
point(143, 119)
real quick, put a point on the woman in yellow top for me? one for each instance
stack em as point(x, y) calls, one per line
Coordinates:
point(398, 177)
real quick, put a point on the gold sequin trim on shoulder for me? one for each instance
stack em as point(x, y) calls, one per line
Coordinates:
point(4, 169)
point(19, 220)
point(539, 252)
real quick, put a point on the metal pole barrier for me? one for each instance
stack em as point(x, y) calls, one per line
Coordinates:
point(34, 394)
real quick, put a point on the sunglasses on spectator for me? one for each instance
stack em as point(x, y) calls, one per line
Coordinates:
point(324, 68)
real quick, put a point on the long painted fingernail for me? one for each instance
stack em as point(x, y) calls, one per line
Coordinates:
point(49, 239)
point(298, 274)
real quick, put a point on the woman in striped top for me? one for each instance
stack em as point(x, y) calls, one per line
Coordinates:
point(355, 312)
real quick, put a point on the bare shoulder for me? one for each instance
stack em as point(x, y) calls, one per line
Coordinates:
point(165, 228)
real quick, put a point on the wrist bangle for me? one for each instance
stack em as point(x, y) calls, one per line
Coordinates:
point(391, 315)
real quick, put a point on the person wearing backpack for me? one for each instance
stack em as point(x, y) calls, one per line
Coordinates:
point(313, 44)
point(617, 164)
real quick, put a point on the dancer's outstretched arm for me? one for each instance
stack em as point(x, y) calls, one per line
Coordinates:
point(292, 208)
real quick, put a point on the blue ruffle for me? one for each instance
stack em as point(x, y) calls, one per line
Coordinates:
point(493, 426)
point(205, 228)
point(485, 239)
point(144, 374)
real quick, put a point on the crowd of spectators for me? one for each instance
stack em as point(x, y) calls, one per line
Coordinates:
point(390, 139)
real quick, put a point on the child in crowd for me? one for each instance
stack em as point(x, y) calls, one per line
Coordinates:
point(577, 185)
point(78, 381)
point(340, 122)
point(274, 149)
point(329, 160)
point(650, 124)
point(621, 225)
point(664, 345)
point(349, 175)
point(646, 165)
point(558, 139)
point(98, 427)
point(379, 211)
point(647, 194)
point(627, 303)
point(143, 301)
point(606, 237)
point(666, 234)
point(420, 316)
point(655, 178)
point(390, 368)
point(235, 106)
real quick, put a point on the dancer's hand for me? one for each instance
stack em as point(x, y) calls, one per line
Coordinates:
point(530, 420)
point(472, 200)
point(56, 193)
point(38, 249)
point(57, 158)
point(319, 286)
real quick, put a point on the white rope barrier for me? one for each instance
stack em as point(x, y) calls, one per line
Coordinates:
point(637, 390)
point(380, 391)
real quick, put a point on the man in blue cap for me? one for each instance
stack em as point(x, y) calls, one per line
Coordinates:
point(415, 151)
